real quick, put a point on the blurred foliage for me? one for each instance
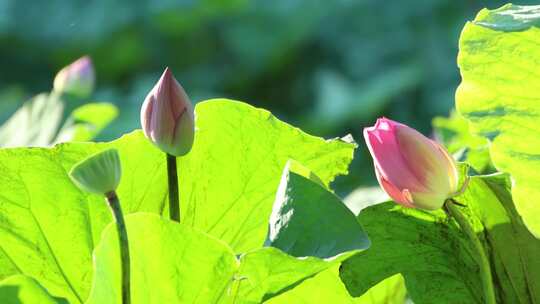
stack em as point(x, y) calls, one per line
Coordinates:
point(87, 121)
point(329, 67)
point(38, 122)
point(454, 133)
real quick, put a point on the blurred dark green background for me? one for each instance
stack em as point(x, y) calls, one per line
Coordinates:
point(329, 67)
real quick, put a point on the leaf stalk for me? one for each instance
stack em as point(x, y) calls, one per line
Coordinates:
point(481, 258)
point(174, 197)
point(114, 205)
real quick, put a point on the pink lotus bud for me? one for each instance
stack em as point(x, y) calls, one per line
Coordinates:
point(412, 169)
point(167, 116)
point(76, 79)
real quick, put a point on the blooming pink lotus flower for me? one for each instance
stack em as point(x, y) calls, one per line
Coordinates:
point(412, 169)
point(167, 116)
point(77, 78)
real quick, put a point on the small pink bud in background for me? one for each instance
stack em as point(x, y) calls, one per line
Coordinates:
point(76, 79)
point(167, 116)
point(412, 169)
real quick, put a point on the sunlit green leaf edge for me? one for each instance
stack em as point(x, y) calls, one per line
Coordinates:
point(497, 60)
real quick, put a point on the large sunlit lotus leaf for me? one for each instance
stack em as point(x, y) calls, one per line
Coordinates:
point(194, 267)
point(228, 181)
point(436, 259)
point(500, 96)
point(430, 255)
point(49, 228)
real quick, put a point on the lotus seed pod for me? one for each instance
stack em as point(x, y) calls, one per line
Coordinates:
point(99, 173)
point(167, 116)
point(412, 169)
point(76, 79)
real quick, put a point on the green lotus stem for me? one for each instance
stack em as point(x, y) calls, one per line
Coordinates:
point(482, 260)
point(116, 210)
point(174, 197)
